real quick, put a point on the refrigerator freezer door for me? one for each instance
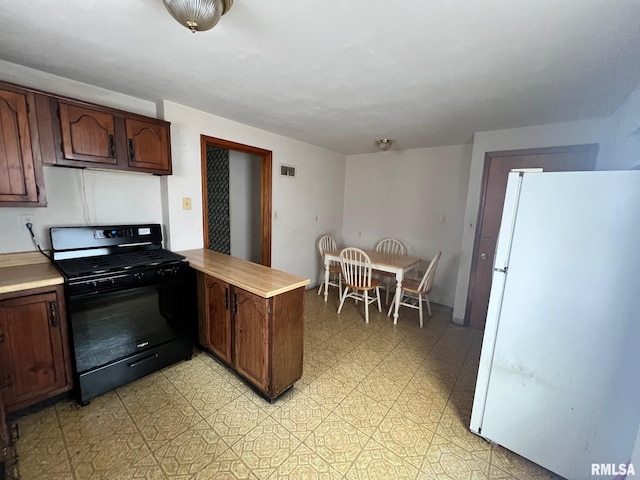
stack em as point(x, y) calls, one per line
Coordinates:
point(509, 212)
point(500, 264)
point(562, 388)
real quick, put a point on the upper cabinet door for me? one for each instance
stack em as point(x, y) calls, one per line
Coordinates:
point(148, 145)
point(20, 163)
point(87, 135)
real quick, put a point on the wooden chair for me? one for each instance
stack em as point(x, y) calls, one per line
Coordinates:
point(328, 244)
point(356, 270)
point(394, 247)
point(413, 291)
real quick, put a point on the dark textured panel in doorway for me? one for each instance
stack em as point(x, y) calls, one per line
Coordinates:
point(218, 199)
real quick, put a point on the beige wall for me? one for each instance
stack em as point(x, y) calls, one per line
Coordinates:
point(404, 194)
point(304, 208)
point(621, 150)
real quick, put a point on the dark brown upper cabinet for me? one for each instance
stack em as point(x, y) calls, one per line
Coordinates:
point(88, 135)
point(148, 144)
point(21, 176)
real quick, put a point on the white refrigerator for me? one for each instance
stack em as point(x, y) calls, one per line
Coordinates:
point(559, 374)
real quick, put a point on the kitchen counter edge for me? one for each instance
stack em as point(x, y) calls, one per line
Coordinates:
point(16, 278)
point(263, 281)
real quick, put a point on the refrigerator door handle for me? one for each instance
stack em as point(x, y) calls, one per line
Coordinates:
point(501, 270)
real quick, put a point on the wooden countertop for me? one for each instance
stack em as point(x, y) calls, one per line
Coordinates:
point(23, 277)
point(258, 279)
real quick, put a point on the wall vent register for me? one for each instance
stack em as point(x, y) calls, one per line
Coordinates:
point(287, 171)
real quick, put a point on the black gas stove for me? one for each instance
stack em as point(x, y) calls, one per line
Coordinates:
point(97, 259)
point(131, 303)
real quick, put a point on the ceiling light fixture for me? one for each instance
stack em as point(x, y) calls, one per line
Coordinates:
point(384, 144)
point(197, 15)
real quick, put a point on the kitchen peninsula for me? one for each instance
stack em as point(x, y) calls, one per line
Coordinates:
point(251, 318)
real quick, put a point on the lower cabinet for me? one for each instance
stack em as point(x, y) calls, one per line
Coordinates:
point(260, 338)
point(34, 347)
point(217, 335)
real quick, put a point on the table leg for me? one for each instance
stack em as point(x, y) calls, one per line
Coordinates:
point(326, 280)
point(397, 296)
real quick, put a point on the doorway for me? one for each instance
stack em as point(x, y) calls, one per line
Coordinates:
point(240, 175)
point(494, 183)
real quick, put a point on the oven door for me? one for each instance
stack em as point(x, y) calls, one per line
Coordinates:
point(123, 335)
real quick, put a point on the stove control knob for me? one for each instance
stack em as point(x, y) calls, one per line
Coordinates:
point(137, 276)
point(93, 284)
point(160, 273)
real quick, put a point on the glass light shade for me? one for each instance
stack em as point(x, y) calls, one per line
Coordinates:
point(197, 15)
point(384, 144)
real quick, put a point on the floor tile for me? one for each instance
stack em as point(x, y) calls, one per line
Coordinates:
point(337, 442)
point(305, 464)
point(376, 401)
point(404, 437)
point(327, 391)
point(362, 411)
point(300, 415)
point(236, 419)
point(377, 462)
point(266, 447)
point(191, 451)
point(518, 467)
point(447, 460)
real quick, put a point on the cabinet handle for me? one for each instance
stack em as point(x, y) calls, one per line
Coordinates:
point(132, 152)
point(235, 304)
point(53, 314)
point(112, 147)
point(14, 433)
point(226, 299)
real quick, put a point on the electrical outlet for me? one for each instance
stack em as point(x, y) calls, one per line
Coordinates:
point(186, 203)
point(24, 219)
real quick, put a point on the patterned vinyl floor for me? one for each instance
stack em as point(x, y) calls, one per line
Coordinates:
point(376, 401)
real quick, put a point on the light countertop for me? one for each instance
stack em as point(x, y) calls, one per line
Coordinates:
point(257, 279)
point(23, 277)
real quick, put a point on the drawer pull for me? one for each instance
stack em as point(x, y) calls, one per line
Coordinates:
point(142, 360)
point(226, 299)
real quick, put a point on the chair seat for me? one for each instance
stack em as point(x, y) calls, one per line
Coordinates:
point(356, 271)
point(375, 283)
point(411, 295)
point(411, 285)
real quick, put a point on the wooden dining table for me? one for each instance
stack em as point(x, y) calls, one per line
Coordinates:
point(384, 262)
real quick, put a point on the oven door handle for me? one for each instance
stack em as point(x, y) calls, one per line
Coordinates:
point(142, 360)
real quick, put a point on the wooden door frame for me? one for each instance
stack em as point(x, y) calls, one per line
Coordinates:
point(265, 194)
point(488, 156)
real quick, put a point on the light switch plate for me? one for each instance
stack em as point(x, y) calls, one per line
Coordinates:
point(186, 203)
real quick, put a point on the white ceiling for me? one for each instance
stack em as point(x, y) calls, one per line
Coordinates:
point(342, 73)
